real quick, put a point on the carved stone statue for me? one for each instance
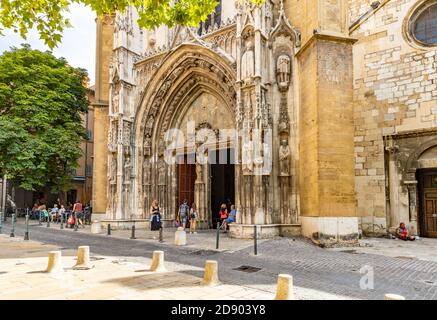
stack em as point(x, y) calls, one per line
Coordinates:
point(267, 156)
point(247, 157)
point(283, 71)
point(147, 146)
point(284, 157)
point(161, 172)
point(248, 61)
point(115, 103)
point(146, 172)
point(149, 124)
point(113, 171)
point(127, 170)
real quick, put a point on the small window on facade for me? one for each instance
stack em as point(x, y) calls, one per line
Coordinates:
point(423, 24)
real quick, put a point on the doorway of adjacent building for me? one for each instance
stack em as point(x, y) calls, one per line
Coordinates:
point(428, 202)
point(222, 181)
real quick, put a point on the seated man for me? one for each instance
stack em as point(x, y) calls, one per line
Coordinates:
point(403, 234)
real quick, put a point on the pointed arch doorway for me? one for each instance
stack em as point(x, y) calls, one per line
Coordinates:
point(220, 186)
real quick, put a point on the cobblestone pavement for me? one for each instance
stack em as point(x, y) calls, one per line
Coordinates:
point(422, 249)
point(318, 273)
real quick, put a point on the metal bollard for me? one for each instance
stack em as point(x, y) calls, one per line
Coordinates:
point(109, 230)
point(62, 221)
point(75, 222)
point(13, 226)
point(39, 218)
point(48, 221)
point(26, 233)
point(218, 236)
point(255, 246)
point(1, 221)
point(133, 232)
point(161, 236)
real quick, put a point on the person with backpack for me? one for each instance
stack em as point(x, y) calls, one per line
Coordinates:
point(183, 213)
point(155, 217)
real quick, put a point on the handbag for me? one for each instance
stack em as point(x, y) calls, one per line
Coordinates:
point(71, 220)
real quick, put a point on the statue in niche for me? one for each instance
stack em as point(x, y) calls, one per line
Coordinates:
point(161, 147)
point(115, 103)
point(149, 124)
point(248, 61)
point(284, 157)
point(113, 171)
point(247, 157)
point(146, 172)
point(283, 71)
point(127, 170)
point(147, 146)
point(267, 156)
point(161, 172)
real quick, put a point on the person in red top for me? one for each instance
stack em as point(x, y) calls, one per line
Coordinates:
point(78, 208)
point(403, 233)
point(223, 214)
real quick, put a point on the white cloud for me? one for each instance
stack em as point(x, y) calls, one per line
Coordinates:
point(78, 43)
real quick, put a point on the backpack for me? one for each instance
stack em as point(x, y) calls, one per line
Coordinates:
point(184, 210)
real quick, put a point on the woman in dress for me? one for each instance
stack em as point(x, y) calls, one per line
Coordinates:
point(155, 217)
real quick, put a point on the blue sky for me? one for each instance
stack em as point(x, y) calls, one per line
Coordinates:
point(78, 43)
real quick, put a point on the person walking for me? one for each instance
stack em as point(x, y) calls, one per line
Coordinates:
point(78, 209)
point(193, 218)
point(183, 213)
point(155, 217)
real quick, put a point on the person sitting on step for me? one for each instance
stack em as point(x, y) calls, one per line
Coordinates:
point(403, 234)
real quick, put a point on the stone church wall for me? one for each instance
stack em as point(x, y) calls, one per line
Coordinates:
point(395, 91)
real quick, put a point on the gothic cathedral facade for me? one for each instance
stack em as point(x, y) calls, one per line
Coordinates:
point(314, 118)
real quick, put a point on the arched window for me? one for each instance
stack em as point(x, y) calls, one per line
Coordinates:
point(423, 24)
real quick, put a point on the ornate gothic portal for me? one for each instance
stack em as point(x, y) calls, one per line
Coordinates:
point(210, 118)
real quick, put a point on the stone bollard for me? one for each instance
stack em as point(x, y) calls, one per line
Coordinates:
point(180, 238)
point(390, 296)
point(157, 261)
point(55, 263)
point(83, 259)
point(210, 277)
point(284, 290)
point(96, 227)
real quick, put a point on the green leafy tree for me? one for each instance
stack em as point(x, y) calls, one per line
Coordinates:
point(48, 16)
point(41, 102)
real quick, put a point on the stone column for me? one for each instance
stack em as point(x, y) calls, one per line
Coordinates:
point(412, 197)
point(104, 41)
point(200, 191)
